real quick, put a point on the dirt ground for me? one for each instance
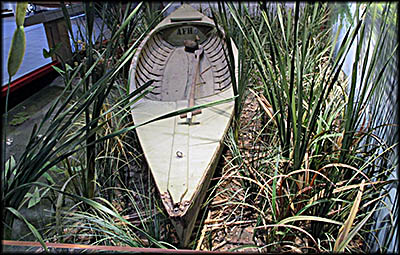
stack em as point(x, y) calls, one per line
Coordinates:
point(226, 225)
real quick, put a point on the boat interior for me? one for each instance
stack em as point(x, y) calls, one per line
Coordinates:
point(173, 65)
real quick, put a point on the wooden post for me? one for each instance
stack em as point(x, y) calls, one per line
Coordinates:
point(57, 32)
point(56, 29)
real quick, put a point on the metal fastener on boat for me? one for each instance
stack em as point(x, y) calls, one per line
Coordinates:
point(179, 154)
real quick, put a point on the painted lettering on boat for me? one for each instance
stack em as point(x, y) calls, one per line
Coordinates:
point(187, 31)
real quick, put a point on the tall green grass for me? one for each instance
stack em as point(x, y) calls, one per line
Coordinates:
point(316, 182)
point(86, 138)
point(62, 135)
point(239, 66)
point(14, 61)
point(311, 173)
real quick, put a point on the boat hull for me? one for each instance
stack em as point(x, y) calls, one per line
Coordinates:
point(182, 157)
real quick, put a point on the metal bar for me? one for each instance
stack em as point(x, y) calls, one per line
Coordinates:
point(178, 19)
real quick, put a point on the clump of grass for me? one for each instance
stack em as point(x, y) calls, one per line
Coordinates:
point(86, 135)
point(74, 121)
point(306, 168)
point(306, 172)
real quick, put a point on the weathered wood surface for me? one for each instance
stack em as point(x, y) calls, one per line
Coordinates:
point(52, 15)
point(182, 158)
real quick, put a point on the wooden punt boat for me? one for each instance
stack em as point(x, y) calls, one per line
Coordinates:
point(182, 153)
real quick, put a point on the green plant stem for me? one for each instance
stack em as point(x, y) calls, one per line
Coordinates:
point(8, 218)
point(91, 149)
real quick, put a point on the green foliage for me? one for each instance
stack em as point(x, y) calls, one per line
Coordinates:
point(30, 226)
point(312, 172)
point(19, 118)
point(20, 13)
point(317, 169)
point(340, 13)
point(239, 67)
point(83, 126)
point(56, 142)
point(52, 51)
point(14, 61)
point(17, 51)
point(18, 44)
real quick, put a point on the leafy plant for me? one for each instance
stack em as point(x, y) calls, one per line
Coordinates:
point(307, 168)
point(19, 118)
point(239, 62)
point(14, 61)
point(93, 110)
point(302, 182)
point(46, 151)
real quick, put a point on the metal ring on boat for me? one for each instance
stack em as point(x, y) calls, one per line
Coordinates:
point(179, 154)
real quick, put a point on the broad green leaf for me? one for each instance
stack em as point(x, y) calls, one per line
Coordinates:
point(10, 170)
point(20, 13)
point(17, 51)
point(310, 218)
point(34, 198)
point(10, 164)
point(46, 54)
point(51, 52)
point(58, 69)
point(48, 176)
point(32, 228)
point(68, 67)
